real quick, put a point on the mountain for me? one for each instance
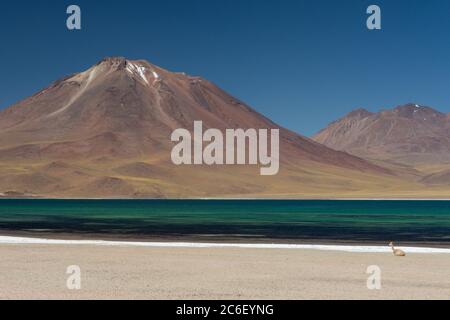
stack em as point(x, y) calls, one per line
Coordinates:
point(409, 134)
point(105, 132)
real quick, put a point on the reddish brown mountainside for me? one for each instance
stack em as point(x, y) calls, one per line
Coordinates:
point(106, 132)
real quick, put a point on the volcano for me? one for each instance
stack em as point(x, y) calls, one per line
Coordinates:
point(105, 132)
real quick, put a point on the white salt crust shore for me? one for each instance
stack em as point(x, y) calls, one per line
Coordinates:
point(347, 248)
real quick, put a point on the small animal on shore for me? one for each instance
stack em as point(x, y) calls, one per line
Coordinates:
point(397, 252)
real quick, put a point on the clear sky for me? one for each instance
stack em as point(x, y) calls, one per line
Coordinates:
point(301, 63)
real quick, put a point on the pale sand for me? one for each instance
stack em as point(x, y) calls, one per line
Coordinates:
point(114, 272)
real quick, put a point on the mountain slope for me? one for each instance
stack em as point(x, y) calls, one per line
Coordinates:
point(105, 132)
point(409, 134)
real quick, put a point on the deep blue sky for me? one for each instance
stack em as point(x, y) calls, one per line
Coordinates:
point(301, 63)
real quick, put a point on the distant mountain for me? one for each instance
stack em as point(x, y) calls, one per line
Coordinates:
point(408, 134)
point(105, 132)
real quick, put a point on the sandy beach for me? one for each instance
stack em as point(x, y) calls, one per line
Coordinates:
point(38, 271)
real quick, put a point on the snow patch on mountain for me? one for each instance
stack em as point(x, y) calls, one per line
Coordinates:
point(137, 70)
point(141, 72)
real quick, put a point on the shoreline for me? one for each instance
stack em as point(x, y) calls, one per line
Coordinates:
point(8, 240)
point(281, 198)
point(214, 239)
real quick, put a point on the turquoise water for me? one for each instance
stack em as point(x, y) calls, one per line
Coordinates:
point(362, 221)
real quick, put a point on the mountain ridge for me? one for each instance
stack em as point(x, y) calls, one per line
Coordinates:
point(108, 128)
point(410, 133)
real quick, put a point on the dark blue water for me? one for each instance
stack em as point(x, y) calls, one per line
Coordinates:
point(256, 220)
